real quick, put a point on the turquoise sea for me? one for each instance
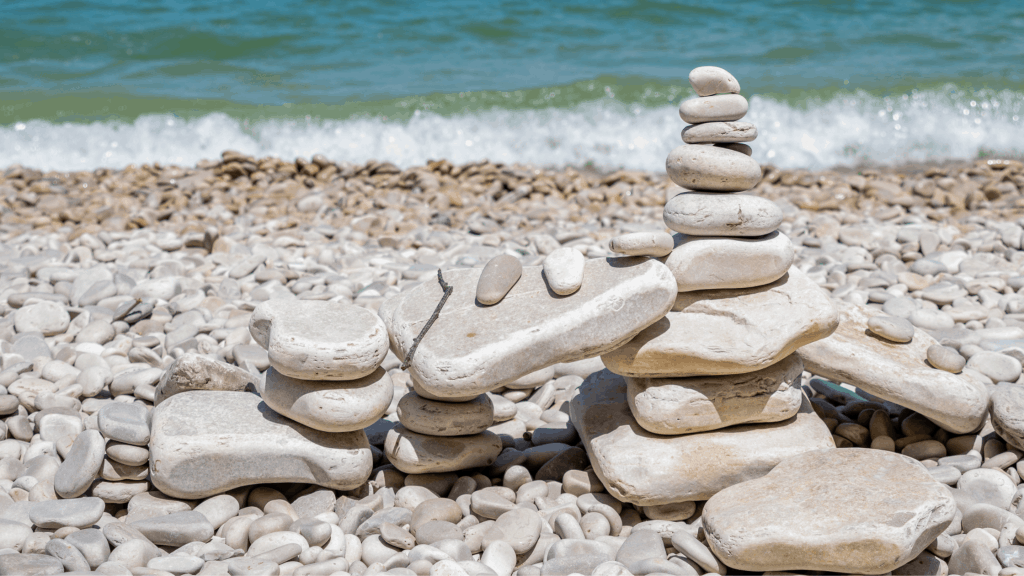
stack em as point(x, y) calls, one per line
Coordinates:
point(88, 83)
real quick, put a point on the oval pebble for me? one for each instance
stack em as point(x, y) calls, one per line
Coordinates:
point(718, 108)
point(655, 244)
point(891, 329)
point(499, 275)
point(711, 80)
point(712, 169)
point(563, 270)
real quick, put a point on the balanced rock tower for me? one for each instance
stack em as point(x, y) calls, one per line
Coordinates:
point(324, 385)
point(710, 395)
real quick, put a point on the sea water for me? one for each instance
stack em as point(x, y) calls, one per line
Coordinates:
point(86, 84)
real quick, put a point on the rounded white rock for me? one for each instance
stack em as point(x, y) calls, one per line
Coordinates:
point(332, 406)
point(719, 132)
point(715, 262)
point(714, 214)
point(656, 244)
point(319, 340)
point(563, 270)
point(712, 169)
point(720, 108)
point(711, 80)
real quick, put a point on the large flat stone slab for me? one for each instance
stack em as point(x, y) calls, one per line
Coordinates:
point(714, 332)
point(206, 443)
point(472, 349)
point(648, 470)
point(674, 406)
point(854, 511)
point(898, 372)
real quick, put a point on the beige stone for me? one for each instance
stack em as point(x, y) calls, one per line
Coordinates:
point(719, 132)
point(499, 275)
point(714, 214)
point(319, 340)
point(655, 244)
point(855, 511)
point(1008, 413)
point(445, 418)
point(206, 443)
point(472, 349)
point(197, 372)
point(719, 108)
point(414, 453)
point(649, 470)
point(674, 406)
point(563, 269)
point(329, 406)
point(718, 332)
point(719, 262)
point(711, 80)
point(897, 372)
point(712, 169)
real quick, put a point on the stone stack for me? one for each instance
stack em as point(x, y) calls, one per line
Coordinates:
point(723, 357)
point(125, 469)
point(324, 386)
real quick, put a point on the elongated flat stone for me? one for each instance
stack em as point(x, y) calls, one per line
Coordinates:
point(415, 453)
point(319, 340)
point(719, 132)
point(675, 406)
point(898, 372)
point(712, 168)
point(718, 108)
point(854, 511)
point(649, 470)
point(206, 443)
point(718, 262)
point(714, 214)
point(473, 349)
point(445, 418)
point(715, 332)
point(329, 406)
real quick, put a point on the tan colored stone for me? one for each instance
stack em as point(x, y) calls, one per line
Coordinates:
point(674, 406)
point(719, 262)
point(206, 443)
point(445, 418)
point(1008, 413)
point(499, 275)
point(656, 244)
point(319, 340)
point(712, 168)
point(719, 132)
point(714, 214)
point(719, 108)
point(897, 372)
point(415, 453)
point(329, 406)
point(716, 332)
point(711, 80)
point(855, 511)
point(473, 349)
point(649, 470)
point(197, 372)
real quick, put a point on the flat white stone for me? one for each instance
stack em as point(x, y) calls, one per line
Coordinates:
point(673, 406)
point(717, 332)
point(855, 511)
point(415, 453)
point(712, 168)
point(45, 316)
point(329, 406)
point(715, 214)
point(719, 108)
point(711, 80)
point(656, 244)
point(445, 418)
point(197, 372)
point(1008, 413)
point(650, 470)
point(898, 372)
point(719, 132)
point(563, 269)
point(206, 443)
point(319, 340)
point(472, 349)
point(719, 262)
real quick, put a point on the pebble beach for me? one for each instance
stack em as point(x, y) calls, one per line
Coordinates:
point(120, 289)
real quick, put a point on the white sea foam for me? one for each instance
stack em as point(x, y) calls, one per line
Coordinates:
point(848, 129)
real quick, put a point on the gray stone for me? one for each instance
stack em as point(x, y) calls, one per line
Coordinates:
point(176, 529)
point(715, 214)
point(892, 329)
point(415, 453)
point(197, 372)
point(445, 418)
point(471, 349)
point(973, 557)
point(319, 340)
point(945, 358)
point(499, 275)
point(649, 470)
point(76, 512)
point(205, 443)
point(729, 331)
point(92, 544)
point(82, 465)
point(998, 367)
point(1008, 413)
point(29, 565)
point(124, 423)
point(329, 406)
point(69, 556)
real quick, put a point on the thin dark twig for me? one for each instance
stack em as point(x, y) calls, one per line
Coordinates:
point(437, 312)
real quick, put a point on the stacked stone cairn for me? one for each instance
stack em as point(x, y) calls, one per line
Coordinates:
point(724, 356)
